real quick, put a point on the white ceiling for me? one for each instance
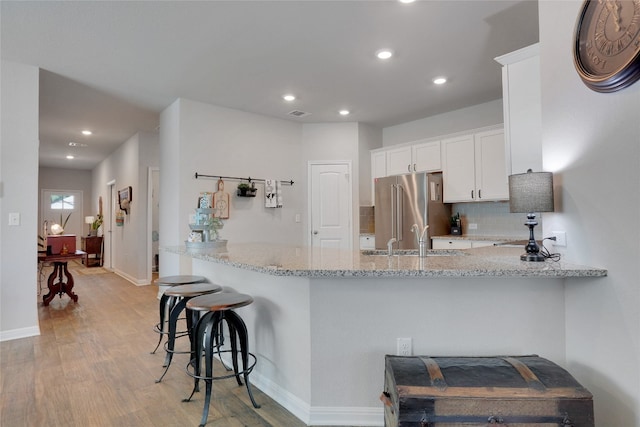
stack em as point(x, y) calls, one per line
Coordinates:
point(113, 66)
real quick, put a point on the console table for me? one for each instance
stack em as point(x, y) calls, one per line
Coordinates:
point(92, 245)
point(60, 269)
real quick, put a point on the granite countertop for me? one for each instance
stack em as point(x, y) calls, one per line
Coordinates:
point(283, 260)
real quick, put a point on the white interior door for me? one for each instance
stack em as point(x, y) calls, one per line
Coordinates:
point(57, 205)
point(330, 210)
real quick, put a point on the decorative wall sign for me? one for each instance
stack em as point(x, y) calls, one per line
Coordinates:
point(125, 198)
point(606, 49)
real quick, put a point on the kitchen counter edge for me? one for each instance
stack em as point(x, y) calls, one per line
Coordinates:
point(481, 262)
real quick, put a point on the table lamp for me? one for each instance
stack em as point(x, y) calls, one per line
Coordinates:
point(89, 220)
point(531, 192)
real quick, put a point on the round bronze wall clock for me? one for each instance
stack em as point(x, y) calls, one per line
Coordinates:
point(606, 49)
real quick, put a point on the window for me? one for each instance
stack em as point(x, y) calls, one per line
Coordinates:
point(62, 201)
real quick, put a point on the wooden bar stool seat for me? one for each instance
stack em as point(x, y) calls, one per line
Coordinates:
point(218, 308)
point(167, 302)
point(182, 294)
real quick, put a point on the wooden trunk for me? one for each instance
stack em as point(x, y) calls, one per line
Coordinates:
point(522, 391)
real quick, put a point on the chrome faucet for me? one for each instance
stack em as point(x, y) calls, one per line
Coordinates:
point(390, 245)
point(421, 237)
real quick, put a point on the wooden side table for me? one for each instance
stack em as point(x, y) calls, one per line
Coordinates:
point(92, 245)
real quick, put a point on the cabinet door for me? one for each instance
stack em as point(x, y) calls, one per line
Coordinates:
point(426, 157)
point(491, 178)
point(522, 112)
point(367, 242)
point(458, 169)
point(450, 244)
point(399, 161)
point(378, 164)
point(482, 243)
point(378, 170)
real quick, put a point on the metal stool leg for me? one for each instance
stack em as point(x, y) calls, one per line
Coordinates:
point(171, 341)
point(241, 329)
point(164, 301)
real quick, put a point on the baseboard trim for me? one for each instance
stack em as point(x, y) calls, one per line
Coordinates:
point(346, 416)
point(15, 334)
point(319, 415)
point(125, 276)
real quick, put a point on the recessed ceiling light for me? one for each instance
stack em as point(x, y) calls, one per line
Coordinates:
point(70, 157)
point(406, 1)
point(77, 144)
point(384, 54)
point(289, 97)
point(87, 132)
point(440, 80)
point(344, 112)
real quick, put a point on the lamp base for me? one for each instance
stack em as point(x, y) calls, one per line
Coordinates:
point(534, 257)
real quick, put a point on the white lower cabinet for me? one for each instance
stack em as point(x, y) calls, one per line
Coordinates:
point(367, 242)
point(460, 243)
point(450, 244)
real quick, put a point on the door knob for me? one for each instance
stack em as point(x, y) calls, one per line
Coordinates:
point(315, 231)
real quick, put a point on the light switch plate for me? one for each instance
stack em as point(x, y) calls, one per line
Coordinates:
point(14, 218)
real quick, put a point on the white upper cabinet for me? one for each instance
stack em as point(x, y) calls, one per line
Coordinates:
point(415, 157)
point(458, 169)
point(426, 157)
point(399, 160)
point(474, 167)
point(492, 182)
point(378, 170)
point(522, 109)
point(378, 164)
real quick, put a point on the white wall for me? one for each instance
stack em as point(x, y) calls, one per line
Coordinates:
point(128, 166)
point(334, 142)
point(18, 194)
point(211, 140)
point(369, 138)
point(473, 117)
point(591, 142)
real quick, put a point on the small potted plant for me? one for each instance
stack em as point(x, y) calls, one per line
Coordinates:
point(247, 190)
point(95, 225)
point(456, 226)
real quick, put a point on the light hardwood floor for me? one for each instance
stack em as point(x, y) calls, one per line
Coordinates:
point(91, 366)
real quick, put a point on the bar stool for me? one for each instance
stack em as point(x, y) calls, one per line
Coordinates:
point(182, 294)
point(218, 308)
point(167, 302)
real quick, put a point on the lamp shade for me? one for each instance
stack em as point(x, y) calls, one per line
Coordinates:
point(89, 219)
point(531, 192)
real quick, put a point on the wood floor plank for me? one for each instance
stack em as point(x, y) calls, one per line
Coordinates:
point(91, 366)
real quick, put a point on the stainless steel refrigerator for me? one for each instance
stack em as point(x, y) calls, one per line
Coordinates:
point(404, 200)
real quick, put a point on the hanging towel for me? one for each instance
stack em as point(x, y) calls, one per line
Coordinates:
point(278, 194)
point(270, 198)
point(272, 193)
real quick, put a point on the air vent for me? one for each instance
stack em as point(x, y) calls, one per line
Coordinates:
point(297, 113)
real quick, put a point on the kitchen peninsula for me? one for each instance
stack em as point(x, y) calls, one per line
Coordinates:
point(322, 321)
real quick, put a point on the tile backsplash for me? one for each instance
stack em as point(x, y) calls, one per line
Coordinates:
point(367, 221)
point(492, 218)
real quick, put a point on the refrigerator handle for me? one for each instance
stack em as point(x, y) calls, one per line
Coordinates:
point(394, 192)
point(400, 211)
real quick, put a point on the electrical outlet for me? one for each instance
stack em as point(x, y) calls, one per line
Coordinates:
point(473, 226)
point(561, 238)
point(403, 347)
